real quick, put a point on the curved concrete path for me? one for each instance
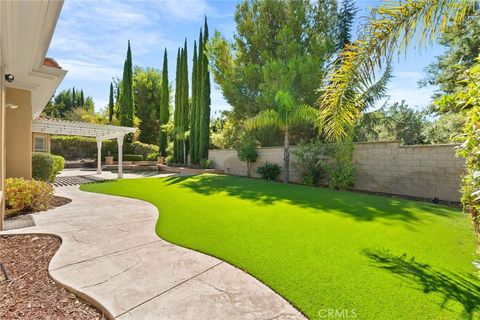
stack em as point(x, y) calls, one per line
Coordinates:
point(111, 256)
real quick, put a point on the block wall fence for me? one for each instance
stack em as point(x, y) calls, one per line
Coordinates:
point(424, 171)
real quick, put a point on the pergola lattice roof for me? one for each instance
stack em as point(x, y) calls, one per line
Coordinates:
point(76, 128)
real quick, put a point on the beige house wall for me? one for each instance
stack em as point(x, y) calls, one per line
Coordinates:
point(2, 147)
point(19, 132)
point(425, 171)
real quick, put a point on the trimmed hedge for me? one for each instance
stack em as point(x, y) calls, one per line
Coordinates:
point(130, 157)
point(58, 165)
point(43, 166)
point(73, 147)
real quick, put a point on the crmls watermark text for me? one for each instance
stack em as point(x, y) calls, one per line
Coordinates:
point(337, 313)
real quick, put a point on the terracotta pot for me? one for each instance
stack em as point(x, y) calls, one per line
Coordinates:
point(109, 160)
point(160, 160)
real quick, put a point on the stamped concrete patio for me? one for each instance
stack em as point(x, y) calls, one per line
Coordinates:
point(111, 256)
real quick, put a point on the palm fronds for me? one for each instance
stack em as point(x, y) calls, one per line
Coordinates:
point(394, 27)
point(267, 118)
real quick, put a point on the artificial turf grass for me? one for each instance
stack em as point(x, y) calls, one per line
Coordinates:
point(385, 258)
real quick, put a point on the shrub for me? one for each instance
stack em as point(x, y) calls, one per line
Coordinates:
point(342, 176)
point(206, 164)
point(58, 165)
point(247, 151)
point(130, 157)
point(22, 195)
point(269, 171)
point(152, 156)
point(72, 147)
point(311, 159)
point(43, 166)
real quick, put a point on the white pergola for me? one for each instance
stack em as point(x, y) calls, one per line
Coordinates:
point(75, 128)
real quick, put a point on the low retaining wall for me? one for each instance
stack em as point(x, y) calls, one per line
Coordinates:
point(424, 171)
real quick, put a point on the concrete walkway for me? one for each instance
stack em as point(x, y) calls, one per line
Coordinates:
point(111, 256)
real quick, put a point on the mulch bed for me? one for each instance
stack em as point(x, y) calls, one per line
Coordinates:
point(57, 201)
point(30, 293)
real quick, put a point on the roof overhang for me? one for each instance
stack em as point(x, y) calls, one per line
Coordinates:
point(26, 30)
point(75, 128)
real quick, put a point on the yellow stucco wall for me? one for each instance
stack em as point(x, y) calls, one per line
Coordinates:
point(18, 133)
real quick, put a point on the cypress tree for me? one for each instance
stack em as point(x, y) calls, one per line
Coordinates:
point(198, 98)
point(193, 129)
point(74, 98)
point(164, 113)
point(81, 100)
point(127, 108)
point(185, 103)
point(204, 136)
point(177, 112)
point(110, 104)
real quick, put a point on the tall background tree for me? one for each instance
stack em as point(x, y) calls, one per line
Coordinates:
point(203, 142)
point(164, 114)
point(181, 113)
point(127, 109)
point(147, 84)
point(193, 138)
point(111, 104)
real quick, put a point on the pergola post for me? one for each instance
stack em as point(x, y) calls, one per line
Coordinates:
point(99, 156)
point(120, 156)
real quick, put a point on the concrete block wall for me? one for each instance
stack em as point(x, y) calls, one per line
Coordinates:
point(424, 171)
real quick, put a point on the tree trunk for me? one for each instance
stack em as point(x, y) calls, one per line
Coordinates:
point(286, 158)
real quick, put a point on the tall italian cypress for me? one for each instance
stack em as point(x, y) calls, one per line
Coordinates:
point(177, 118)
point(81, 99)
point(164, 113)
point(193, 127)
point(127, 108)
point(198, 100)
point(185, 102)
point(204, 128)
point(74, 98)
point(110, 104)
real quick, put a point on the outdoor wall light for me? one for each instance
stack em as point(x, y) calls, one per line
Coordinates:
point(12, 106)
point(9, 77)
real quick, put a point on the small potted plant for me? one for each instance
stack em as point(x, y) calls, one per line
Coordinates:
point(109, 159)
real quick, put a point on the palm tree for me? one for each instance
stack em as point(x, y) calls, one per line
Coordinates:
point(393, 28)
point(286, 115)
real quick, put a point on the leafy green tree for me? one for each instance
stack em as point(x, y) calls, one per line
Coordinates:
point(462, 47)
point(397, 122)
point(278, 45)
point(286, 114)
point(446, 128)
point(467, 99)
point(110, 104)
point(247, 151)
point(127, 110)
point(63, 103)
point(164, 114)
point(148, 87)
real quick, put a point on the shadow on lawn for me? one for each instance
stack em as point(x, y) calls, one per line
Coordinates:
point(356, 205)
point(461, 288)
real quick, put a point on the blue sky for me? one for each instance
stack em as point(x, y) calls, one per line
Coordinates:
point(91, 37)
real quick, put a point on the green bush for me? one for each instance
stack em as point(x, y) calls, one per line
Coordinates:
point(311, 160)
point(43, 166)
point(130, 157)
point(342, 176)
point(58, 165)
point(26, 195)
point(152, 156)
point(206, 164)
point(269, 171)
point(72, 147)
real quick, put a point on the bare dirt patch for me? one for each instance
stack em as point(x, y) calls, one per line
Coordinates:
point(30, 293)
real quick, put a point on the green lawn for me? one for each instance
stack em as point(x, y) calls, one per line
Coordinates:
point(321, 249)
